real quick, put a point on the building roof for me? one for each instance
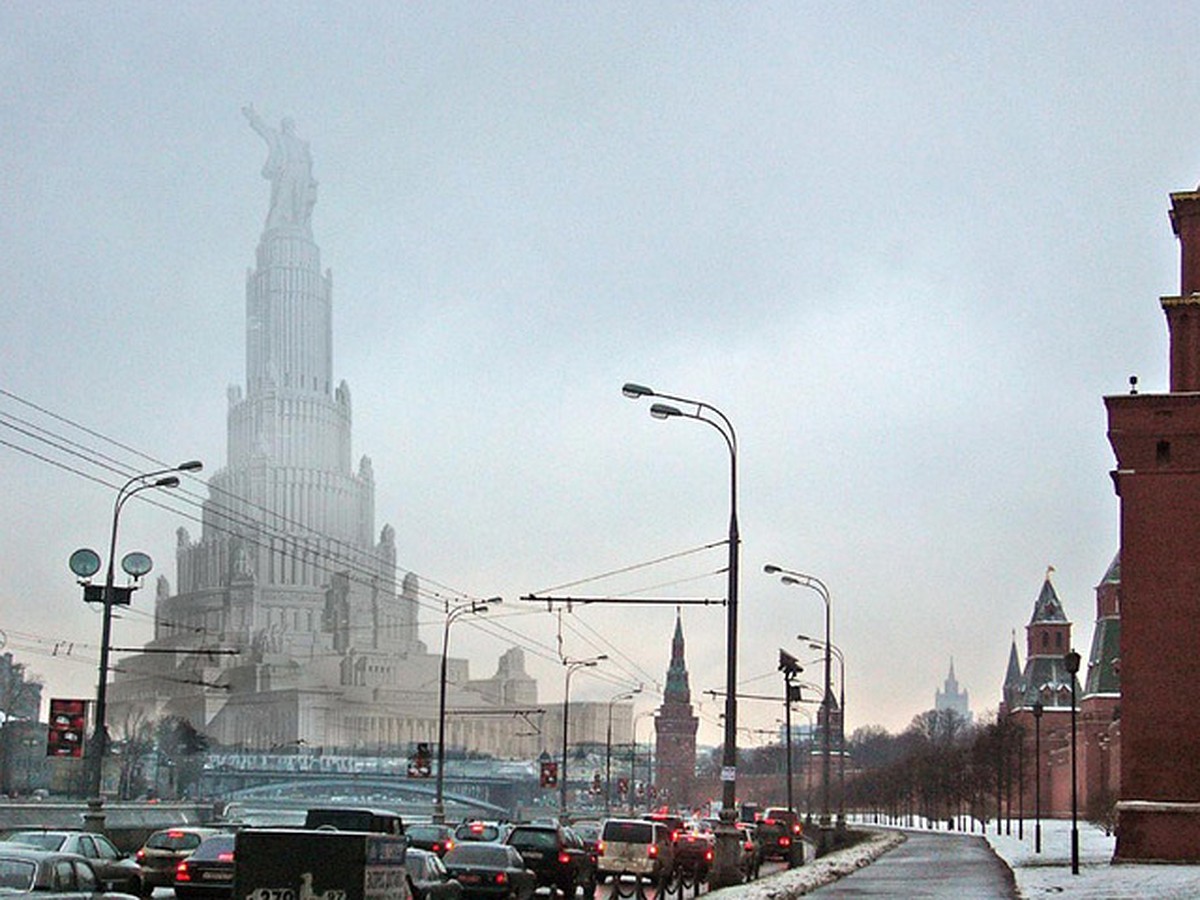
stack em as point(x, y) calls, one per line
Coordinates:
point(1048, 607)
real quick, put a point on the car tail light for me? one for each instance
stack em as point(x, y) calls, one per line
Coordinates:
point(796, 828)
point(181, 871)
point(652, 851)
point(175, 834)
point(140, 856)
point(599, 848)
point(749, 845)
point(225, 856)
point(708, 855)
point(785, 841)
point(563, 857)
point(501, 878)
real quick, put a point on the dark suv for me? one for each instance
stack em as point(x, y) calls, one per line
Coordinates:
point(558, 857)
point(779, 832)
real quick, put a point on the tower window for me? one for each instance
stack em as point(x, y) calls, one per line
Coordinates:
point(1045, 640)
point(1058, 639)
point(1162, 453)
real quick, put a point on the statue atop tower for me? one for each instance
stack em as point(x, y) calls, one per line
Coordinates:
point(289, 169)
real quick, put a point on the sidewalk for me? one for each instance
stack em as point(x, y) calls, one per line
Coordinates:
point(1037, 875)
point(1050, 872)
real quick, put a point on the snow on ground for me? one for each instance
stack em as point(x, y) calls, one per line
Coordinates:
point(1049, 872)
point(1037, 875)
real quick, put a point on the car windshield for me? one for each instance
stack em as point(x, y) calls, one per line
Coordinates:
point(426, 832)
point(173, 840)
point(478, 855)
point(215, 848)
point(16, 875)
point(477, 831)
point(42, 840)
point(629, 832)
point(536, 839)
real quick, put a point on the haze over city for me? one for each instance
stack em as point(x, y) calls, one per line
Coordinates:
point(905, 251)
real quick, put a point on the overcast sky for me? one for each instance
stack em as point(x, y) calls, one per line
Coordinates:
point(905, 248)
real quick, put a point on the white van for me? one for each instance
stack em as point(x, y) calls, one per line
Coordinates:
point(634, 847)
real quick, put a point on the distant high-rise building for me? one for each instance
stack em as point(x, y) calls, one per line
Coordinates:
point(286, 623)
point(951, 698)
point(675, 732)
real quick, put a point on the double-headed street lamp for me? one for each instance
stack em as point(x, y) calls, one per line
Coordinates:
point(726, 870)
point(572, 666)
point(84, 564)
point(625, 695)
point(453, 613)
point(809, 581)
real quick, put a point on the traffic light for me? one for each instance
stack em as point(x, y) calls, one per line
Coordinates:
point(788, 664)
point(65, 735)
point(549, 777)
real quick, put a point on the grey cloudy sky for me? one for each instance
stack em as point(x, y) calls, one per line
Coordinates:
point(906, 248)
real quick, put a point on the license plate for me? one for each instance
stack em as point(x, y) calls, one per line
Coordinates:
point(467, 878)
point(216, 876)
point(532, 854)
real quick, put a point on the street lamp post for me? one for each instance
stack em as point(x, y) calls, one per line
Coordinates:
point(572, 666)
point(726, 868)
point(1037, 776)
point(809, 581)
point(453, 613)
point(790, 667)
point(633, 759)
point(162, 478)
point(1071, 661)
point(841, 658)
point(626, 695)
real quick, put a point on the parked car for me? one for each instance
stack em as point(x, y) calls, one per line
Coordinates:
point(557, 855)
point(163, 850)
point(430, 836)
point(208, 870)
point(50, 875)
point(487, 870)
point(778, 829)
point(112, 867)
point(428, 878)
point(635, 847)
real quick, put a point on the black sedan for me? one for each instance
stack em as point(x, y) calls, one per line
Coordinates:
point(428, 878)
point(113, 867)
point(490, 870)
point(433, 837)
point(208, 872)
point(49, 875)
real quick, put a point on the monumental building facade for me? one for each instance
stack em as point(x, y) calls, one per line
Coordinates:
point(288, 624)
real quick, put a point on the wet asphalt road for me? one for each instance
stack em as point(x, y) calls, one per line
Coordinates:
point(957, 867)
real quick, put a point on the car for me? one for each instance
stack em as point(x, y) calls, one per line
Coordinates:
point(675, 824)
point(694, 849)
point(430, 836)
point(751, 858)
point(779, 830)
point(208, 870)
point(557, 856)
point(589, 832)
point(50, 875)
point(493, 832)
point(113, 867)
point(638, 847)
point(427, 876)
point(486, 870)
point(355, 818)
point(163, 850)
